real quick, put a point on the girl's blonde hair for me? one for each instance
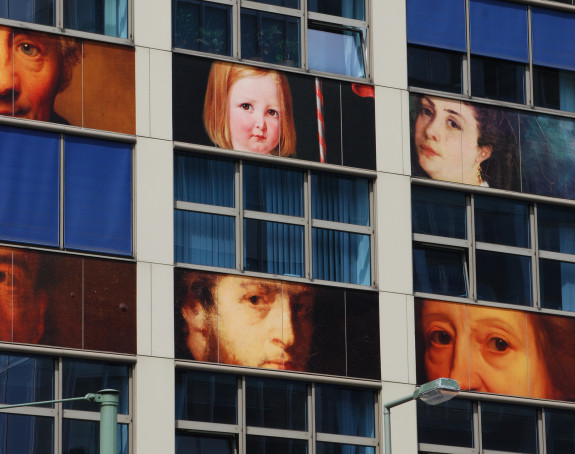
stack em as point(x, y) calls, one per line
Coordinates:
point(222, 76)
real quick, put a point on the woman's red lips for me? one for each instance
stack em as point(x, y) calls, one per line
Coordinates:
point(428, 151)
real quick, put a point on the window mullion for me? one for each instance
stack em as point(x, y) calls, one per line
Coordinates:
point(303, 34)
point(308, 251)
point(236, 30)
point(311, 418)
point(529, 72)
point(58, 385)
point(471, 250)
point(61, 217)
point(467, 60)
point(535, 256)
point(242, 414)
point(477, 439)
point(541, 431)
point(239, 216)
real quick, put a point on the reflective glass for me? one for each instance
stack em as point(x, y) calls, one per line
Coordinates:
point(285, 3)
point(510, 428)
point(556, 229)
point(340, 199)
point(336, 448)
point(497, 79)
point(105, 17)
point(434, 69)
point(203, 26)
point(336, 50)
point(80, 436)
point(273, 190)
point(83, 377)
point(559, 433)
point(276, 404)
point(26, 434)
point(187, 443)
point(345, 411)
point(205, 239)
point(271, 247)
point(439, 271)
point(438, 212)
point(501, 221)
point(36, 11)
point(449, 423)
point(554, 88)
point(275, 445)
point(504, 278)
point(557, 284)
point(353, 9)
point(204, 396)
point(270, 38)
point(341, 256)
point(204, 180)
point(26, 379)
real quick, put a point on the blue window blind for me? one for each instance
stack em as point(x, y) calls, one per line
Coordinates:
point(29, 183)
point(438, 23)
point(98, 196)
point(499, 29)
point(553, 38)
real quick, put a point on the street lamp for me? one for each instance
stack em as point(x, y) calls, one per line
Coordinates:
point(432, 393)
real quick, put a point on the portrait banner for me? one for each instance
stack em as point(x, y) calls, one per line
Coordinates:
point(264, 323)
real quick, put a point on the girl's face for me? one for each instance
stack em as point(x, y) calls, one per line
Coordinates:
point(254, 114)
point(484, 349)
point(446, 134)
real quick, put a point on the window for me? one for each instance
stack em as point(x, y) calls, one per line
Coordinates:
point(95, 189)
point(279, 415)
point(491, 52)
point(269, 219)
point(464, 426)
point(34, 429)
point(485, 248)
point(332, 34)
point(104, 17)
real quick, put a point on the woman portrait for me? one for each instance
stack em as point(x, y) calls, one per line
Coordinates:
point(462, 142)
point(494, 350)
point(249, 109)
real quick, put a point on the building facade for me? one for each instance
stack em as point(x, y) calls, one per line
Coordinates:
point(260, 221)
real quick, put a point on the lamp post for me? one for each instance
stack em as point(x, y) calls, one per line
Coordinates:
point(432, 393)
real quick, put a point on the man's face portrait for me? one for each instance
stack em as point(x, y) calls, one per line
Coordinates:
point(34, 68)
point(249, 322)
point(22, 306)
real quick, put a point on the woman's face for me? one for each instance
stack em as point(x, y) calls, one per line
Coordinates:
point(254, 114)
point(483, 348)
point(446, 134)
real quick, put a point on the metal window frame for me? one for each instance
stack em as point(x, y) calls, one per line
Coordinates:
point(306, 221)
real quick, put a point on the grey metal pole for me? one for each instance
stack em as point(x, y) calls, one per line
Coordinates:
point(108, 399)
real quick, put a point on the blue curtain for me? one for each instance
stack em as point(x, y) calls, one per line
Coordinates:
point(340, 199)
point(553, 35)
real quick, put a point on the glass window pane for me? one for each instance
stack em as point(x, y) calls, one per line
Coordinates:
point(353, 9)
point(497, 79)
point(80, 436)
point(336, 448)
point(434, 69)
point(501, 221)
point(504, 278)
point(275, 445)
point(26, 434)
point(203, 26)
point(271, 247)
point(554, 88)
point(553, 35)
point(276, 404)
point(439, 271)
point(556, 229)
point(205, 239)
point(449, 423)
point(26, 379)
point(335, 50)
point(345, 411)
point(204, 396)
point(559, 433)
point(557, 285)
point(105, 17)
point(341, 256)
point(340, 199)
point(510, 428)
point(36, 11)
point(285, 3)
point(270, 38)
point(273, 190)
point(187, 443)
point(204, 180)
point(438, 212)
point(83, 377)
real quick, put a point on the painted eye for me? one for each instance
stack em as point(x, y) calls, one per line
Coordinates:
point(246, 106)
point(28, 49)
point(454, 124)
point(499, 344)
point(255, 300)
point(440, 337)
point(427, 111)
point(273, 113)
